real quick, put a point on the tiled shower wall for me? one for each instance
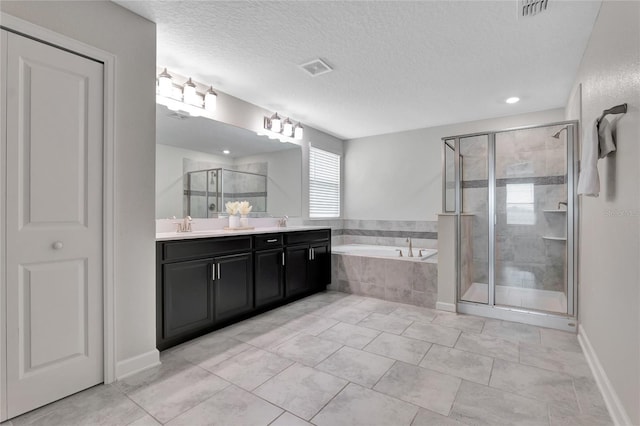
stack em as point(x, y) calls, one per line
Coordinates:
point(523, 257)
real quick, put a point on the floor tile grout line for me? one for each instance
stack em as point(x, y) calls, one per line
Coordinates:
point(328, 402)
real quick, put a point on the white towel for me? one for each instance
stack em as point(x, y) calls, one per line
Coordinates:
point(606, 135)
point(589, 181)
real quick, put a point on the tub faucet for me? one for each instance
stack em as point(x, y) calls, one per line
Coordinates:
point(410, 247)
point(561, 203)
point(399, 252)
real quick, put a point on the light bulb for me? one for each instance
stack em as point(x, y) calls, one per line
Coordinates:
point(165, 85)
point(210, 100)
point(512, 100)
point(287, 128)
point(276, 123)
point(298, 131)
point(189, 94)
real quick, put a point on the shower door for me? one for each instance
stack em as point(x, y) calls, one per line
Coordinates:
point(516, 212)
point(531, 219)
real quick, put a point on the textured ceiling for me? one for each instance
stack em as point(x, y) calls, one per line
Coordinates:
point(397, 65)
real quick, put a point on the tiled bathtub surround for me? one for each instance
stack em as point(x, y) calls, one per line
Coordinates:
point(397, 280)
point(424, 234)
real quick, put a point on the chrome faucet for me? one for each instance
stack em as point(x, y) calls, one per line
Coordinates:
point(410, 247)
point(399, 252)
point(184, 226)
point(282, 223)
point(561, 203)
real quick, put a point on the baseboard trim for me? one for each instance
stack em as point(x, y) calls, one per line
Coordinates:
point(614, 405)
point(443, 306)
point(137, 364)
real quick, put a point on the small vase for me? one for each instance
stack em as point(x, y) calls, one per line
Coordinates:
point(234, 221)
point(244, 221)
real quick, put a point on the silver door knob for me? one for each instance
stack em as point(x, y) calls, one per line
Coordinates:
point(57, 245)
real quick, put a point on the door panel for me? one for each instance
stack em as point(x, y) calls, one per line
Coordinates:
point(52, 191)
point(296, 279)
point(269, 276)
point(54, 221)
point(474, 221)
point(233, 286)
point(320, 266)
point(62, 284)
point(188, 297)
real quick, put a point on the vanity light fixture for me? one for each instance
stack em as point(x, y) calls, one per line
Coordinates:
point(512, 100)
point(210, 100)
point(276, 123)
point(185, 98)
point(190, 95)
point(287, 128)
point(165, 85)
point(298, 131)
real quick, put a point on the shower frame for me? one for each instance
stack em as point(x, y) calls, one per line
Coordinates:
point(568, 321)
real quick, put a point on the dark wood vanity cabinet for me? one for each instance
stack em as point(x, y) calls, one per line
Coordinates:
point(208, 283)
point(233, 286)
point(201, 284)
point(269, 277)
point(187, 303)
point(308, 262)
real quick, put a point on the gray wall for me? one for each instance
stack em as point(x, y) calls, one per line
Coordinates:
point(609, 291)
point(398, 176)
point(133, 40)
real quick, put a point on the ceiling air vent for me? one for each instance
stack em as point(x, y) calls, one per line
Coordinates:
point(528, 8)
point(316, 67)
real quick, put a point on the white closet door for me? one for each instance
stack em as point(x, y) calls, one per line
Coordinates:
point(54, 138)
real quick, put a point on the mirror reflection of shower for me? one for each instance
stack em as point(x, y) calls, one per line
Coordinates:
point(206, 192)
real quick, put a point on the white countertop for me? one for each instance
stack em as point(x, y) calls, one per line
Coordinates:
point(209, 233)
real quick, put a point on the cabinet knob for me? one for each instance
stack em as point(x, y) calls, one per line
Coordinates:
point(57, 245)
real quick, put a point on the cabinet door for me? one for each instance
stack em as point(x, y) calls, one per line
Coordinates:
point(233, 286)
point(297, 258)
point(187, 297)
point(269, 276)
point(320, 266)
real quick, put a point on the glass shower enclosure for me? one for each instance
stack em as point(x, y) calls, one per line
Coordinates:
point(513, 193)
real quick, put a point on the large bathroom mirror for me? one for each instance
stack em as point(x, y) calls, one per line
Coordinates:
point(202, 163)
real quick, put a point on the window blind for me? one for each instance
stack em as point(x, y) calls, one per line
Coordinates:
point(324, 184)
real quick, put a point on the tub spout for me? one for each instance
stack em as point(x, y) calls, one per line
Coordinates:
point(410, 247)
point(399, 252)
point(561, 203)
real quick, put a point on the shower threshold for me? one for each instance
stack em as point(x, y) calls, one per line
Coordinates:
point(527, 298)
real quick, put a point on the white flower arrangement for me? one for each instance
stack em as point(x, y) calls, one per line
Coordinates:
point(232, 207)
point(244, 208)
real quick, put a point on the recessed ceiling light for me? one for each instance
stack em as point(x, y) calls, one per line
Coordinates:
point(226, 151)
point(512, 100)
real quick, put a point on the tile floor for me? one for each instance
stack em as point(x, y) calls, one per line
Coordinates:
point(337, 359)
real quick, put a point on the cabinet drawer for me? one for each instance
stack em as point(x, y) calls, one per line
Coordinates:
point(176, 250)
point(268, 241)
point(307, 236)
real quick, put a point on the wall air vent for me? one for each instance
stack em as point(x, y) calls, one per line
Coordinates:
point(316, 67)
point(527, 8)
